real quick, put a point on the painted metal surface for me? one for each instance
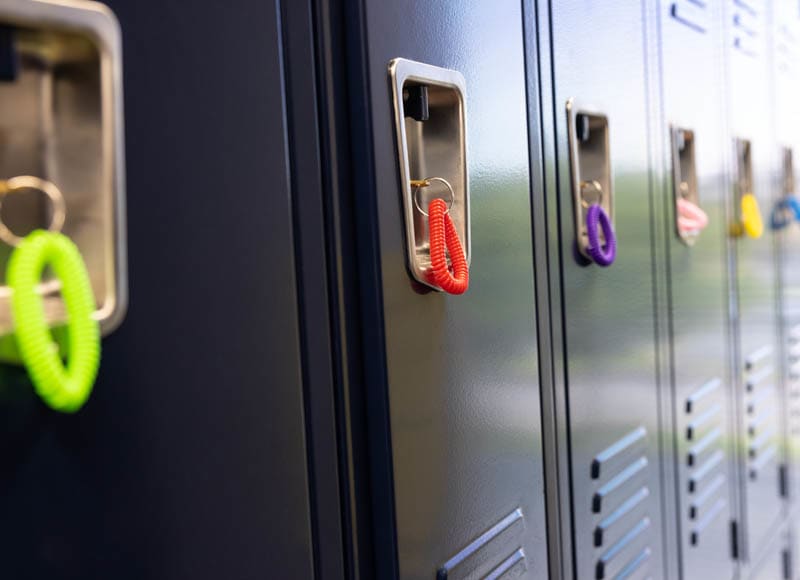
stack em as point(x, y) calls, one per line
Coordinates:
point(785, 53)
point(703, 429)
point(756, 370)
point(193, 458)
point(775, 562)
point(609, 354)
point(189, 460)
point(462, 370)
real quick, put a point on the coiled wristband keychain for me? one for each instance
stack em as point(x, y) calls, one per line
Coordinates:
point(784, 212)
point(443, 239)
point(691, 217)
point(597, 220)
point(63, 388)
point(752, 223)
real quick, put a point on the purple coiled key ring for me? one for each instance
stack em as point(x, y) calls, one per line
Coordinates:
point(602, 254)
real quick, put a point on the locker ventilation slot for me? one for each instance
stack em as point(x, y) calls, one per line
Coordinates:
point(516, 560)
point(793, 384)
point(620, 504)
point(757, 357)
point(700, 395)
point(747, 24)
point(693, 14)
point(705, 459)
point(786, 53)
point(761, 416)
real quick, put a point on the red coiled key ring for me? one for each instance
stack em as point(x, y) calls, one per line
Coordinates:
point(444, 239)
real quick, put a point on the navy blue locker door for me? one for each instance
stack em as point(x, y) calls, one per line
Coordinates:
point(189, 460)
point(462, 377)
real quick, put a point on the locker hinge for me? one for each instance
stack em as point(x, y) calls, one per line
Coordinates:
point(783, 480)
point(734, 540)
point(787, 565)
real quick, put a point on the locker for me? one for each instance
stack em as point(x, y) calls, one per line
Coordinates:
point(298, 390)
point(786, 91)
point(693, 125)
point(599, 102)
point(191, 450)
point(786, 88)
point(461, 378)
point(757, 374)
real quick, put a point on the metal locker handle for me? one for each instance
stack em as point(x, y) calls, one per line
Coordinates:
point(431, 129)
point(592, 184)
point(690, 219)
point(787, 209)
point(748, 213)
point(63, 159)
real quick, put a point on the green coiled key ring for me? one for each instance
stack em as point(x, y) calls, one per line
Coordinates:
point(64, 388)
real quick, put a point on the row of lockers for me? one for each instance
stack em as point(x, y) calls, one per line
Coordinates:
point(718, 373)
point(664, 380)
point(288, 397)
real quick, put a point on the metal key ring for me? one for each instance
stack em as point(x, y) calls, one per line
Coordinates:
point(22, 182)
point(597, 187)
point(425, 183)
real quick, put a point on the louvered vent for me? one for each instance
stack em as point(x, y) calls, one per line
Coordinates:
point(748, 21)
point(489, 546)
point(793, 383)
point(786, 53)
point(705, 458)
point(620, 504)
point(761, 409)
point(694, 14)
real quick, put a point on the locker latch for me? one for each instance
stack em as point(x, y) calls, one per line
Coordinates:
point(747, 212)
point(63, 275)
point(787, 209)
point(430, 124)
point(61, 164)
point(593, 193)
point(690, 219)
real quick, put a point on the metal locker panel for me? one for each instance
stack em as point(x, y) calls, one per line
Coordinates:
point(608, 313)
point(692, 88)
point(754, 275)
point(189, 459)
point(776, 561)
point(773, 565)
point(786, 89)
point(462, 370)
point(793, 572)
